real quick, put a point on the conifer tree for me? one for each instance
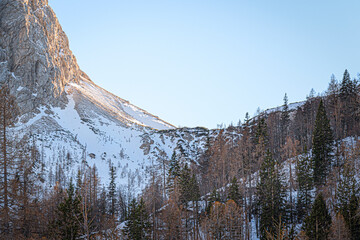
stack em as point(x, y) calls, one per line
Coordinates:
point(69, 216)
point(348, 201)
point(285, 120)
point(174, 172)
point(78, 182)
point(322, 146)
point(194, 189)
point(349, 105)
point(261, 135)
point(347, 87)
point(318, 223)
point(138, 226)
point(185, 185)
point(234, 193)
point(112, 191)
point(305, 182)
point(271, 196)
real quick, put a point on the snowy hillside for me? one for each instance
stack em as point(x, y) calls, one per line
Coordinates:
point(97, 128)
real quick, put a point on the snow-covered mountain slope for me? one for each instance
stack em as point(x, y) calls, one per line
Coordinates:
point(91, 99)
point(74, 122)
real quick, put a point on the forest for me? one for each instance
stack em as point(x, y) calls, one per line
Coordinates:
point(289, 173)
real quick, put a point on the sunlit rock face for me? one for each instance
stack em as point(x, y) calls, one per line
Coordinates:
point(35, 59)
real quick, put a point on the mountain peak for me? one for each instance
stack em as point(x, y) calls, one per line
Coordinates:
point(40, 69)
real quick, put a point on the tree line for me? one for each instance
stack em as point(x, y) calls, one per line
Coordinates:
point(286, 174)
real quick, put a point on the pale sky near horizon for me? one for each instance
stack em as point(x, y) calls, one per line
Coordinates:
point(202, 63)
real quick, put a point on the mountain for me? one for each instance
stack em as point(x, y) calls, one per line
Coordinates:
point(72, 119)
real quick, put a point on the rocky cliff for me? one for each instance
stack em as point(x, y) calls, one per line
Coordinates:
point(36, 61)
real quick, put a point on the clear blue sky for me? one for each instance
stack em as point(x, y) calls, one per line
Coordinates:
point(201, 63)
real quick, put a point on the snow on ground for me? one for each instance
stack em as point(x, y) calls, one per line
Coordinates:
point(86, 133)
point(119, 106)
point(292, 106)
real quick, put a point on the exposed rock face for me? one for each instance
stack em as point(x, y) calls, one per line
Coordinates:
point(41, 71)
point(35, 59)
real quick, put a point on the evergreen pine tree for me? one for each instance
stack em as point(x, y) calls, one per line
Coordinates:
point(348, 202)
point(271, 196)
point(138, 226)
point(78, 182)
point(185, 185)
point(349, 105)
point(174, 172)
point(112, 191)
point(322, 145)
point(305, 182)
point(285, 120)
point(69, 216)
point(318, 223)
point(347, 87)
point(234, 193)
point(194, 189)
point(261, 135)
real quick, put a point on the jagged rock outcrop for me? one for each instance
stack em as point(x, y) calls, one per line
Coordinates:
point(35, 59)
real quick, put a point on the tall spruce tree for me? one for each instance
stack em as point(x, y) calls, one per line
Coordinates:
point(347, 86)
point(322, 146)
point(173, 173)
point(304, 174)
point(138, 226)
point(194, 189)
point(349, 105)
point(261, 134)
point(348, 201)
point(234, 193)
point(271, 196)
point(285, 120)
point(69, 216)
point(112, 191)
point(318, 223)
point(185, 185)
